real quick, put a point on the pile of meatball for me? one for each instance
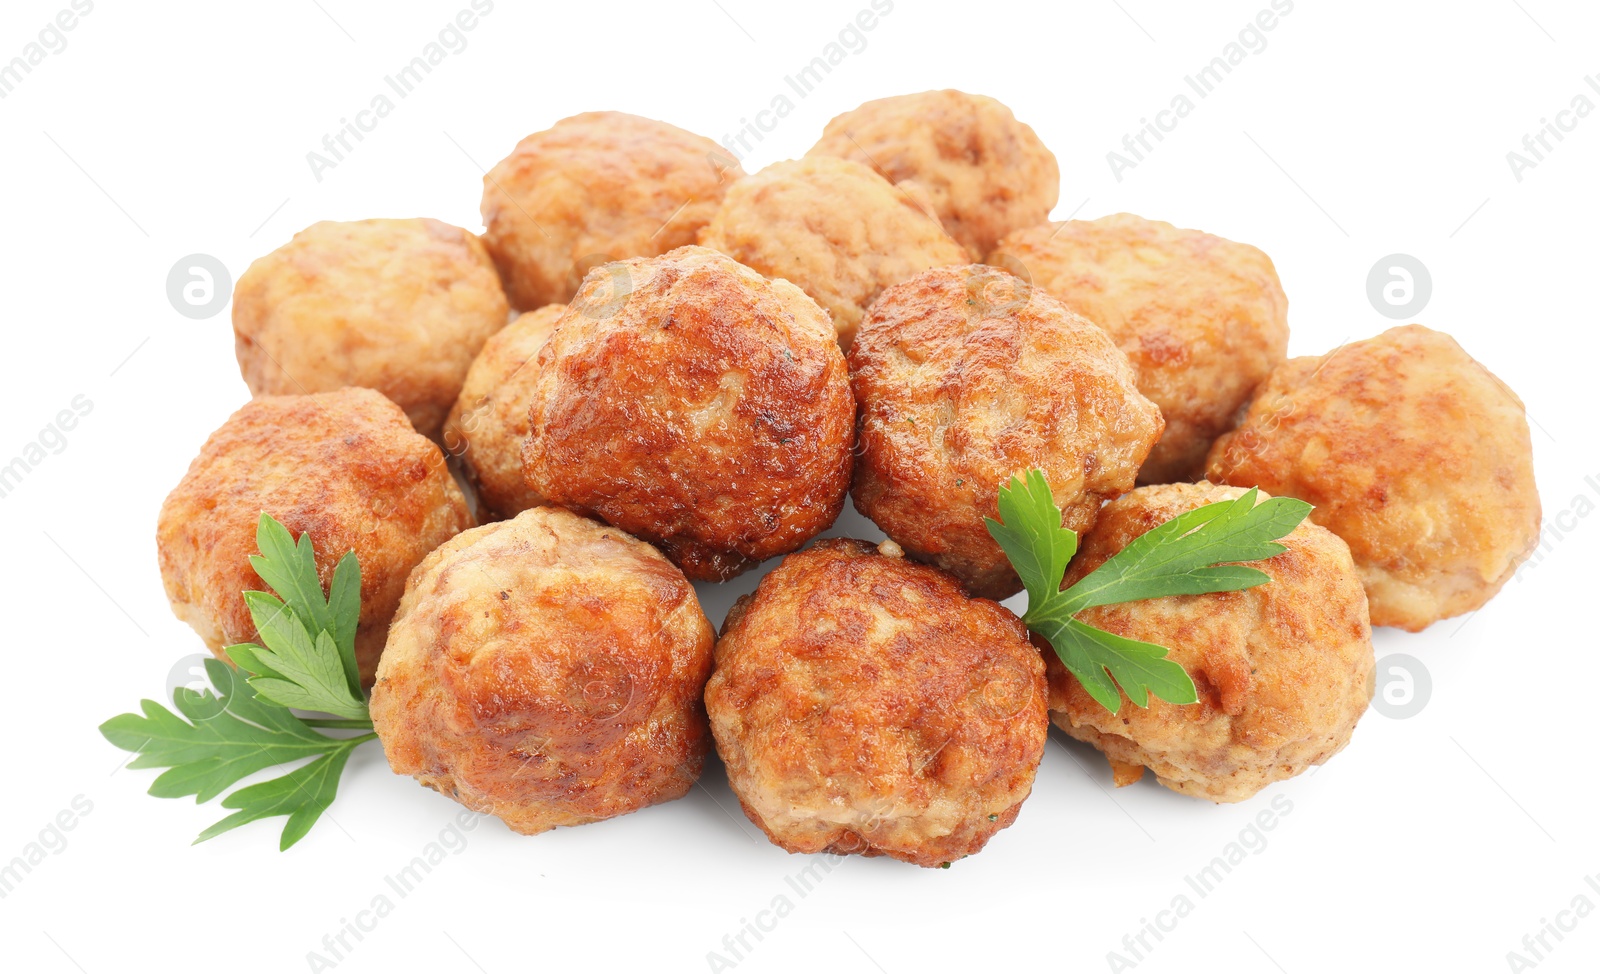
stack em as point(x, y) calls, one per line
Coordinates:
point(700, 365)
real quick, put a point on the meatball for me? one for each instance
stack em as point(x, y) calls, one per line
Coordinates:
point(400, 306)
point(546, 670)
point(1416, 455)
point(486, 428)
point(592, 188)
point(864, 704)
point(986, 173)
point(693, 403)
point(1283, 670)
point(344, 467)
point(966, 377)
point(835, 228)
point(1202, 319)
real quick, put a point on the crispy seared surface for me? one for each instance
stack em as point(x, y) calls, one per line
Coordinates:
point(834, 228)
point(865, 704)
point(1416, 455)
point(547, 670)
point(1283, 670)
point(400, 306)
point(693, 403)
point(985, 172)
point(489, 422)
point(592, 188)
point(1203, 319)
point(345, 467)
point(966, 376)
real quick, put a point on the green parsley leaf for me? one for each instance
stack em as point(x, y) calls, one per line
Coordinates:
point(1032, 536)
point(1140, 668)
point(1184, 556)
point(244, 725)
point(294, 669)
point(229, 735)
point(291, 571)
point(303, 794)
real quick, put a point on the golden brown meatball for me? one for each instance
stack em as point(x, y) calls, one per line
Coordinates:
point(986, 173)
point(592, 188)
point(345, 467)
point(546, 670)
point(691, 402)
point(490, 419)
point(965, 377)
point(864, 704)
point(833, 227)
point(1283, 670)
point(400, 306)
point(1202, 319)
point(1413, 453)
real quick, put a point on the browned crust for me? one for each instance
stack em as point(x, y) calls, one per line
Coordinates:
point(865, 704)
point(1283, 670)
point(596, 187)
point(547, 670)
point(1203, 320)
point(965, 377)
point(1413, 453)
point(834, 228)
point(400, 306)
point(985, 173)
point(345, 467)
point(693, 403)
point(489, 422)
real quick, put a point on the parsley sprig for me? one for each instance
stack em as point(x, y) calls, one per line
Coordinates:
point(244, 724)
point(309, 661)
point(1188, 555)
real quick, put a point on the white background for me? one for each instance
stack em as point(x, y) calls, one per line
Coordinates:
point(1363, 129)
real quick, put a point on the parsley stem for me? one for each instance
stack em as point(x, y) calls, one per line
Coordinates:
point(338, 723)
